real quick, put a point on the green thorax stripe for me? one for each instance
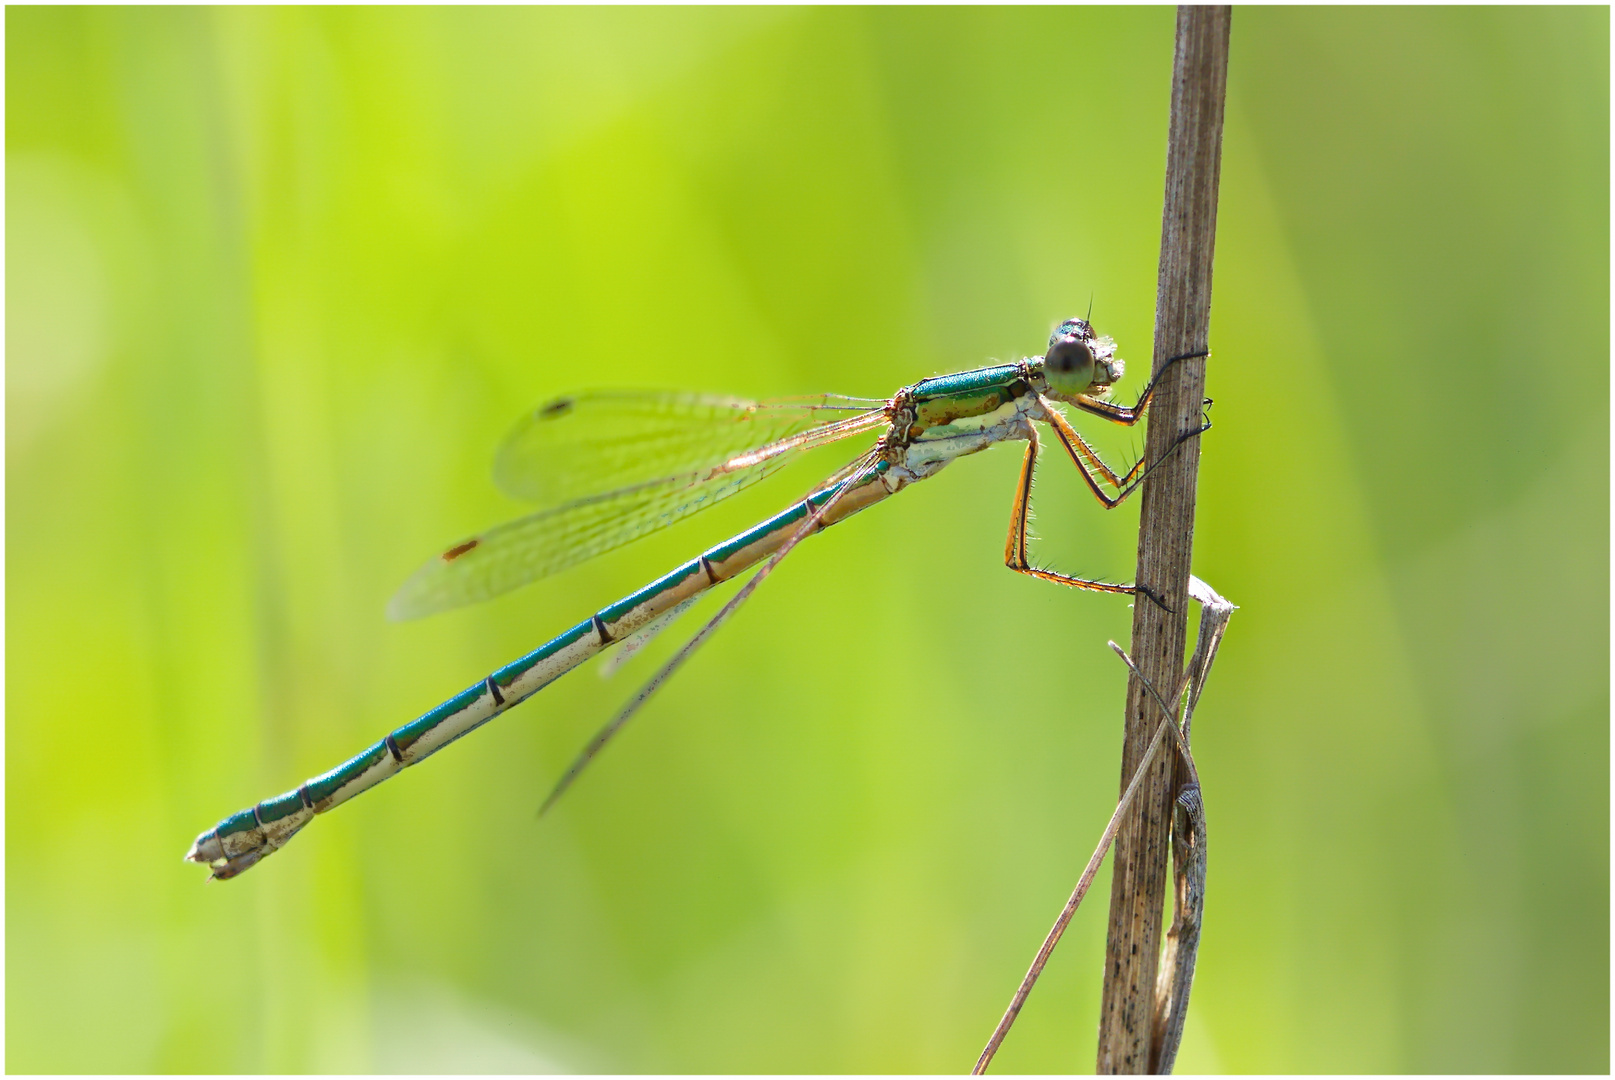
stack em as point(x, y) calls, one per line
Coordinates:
point(966, 382)
point(940, 402)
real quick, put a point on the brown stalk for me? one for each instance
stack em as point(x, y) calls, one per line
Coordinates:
point(1189, 843)
point(1166, 532)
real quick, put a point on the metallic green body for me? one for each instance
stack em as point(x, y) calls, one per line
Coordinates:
point(927, 425)
point(943, 401)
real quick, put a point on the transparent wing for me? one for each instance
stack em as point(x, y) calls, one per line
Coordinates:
point(558, 537)
point(584, 444)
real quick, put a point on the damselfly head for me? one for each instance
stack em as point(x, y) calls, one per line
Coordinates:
point(1080, 362)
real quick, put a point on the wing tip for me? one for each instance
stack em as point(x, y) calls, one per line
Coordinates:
point(399, 608)
point(411, 601)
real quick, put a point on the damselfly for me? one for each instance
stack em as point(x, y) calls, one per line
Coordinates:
point(612, 466)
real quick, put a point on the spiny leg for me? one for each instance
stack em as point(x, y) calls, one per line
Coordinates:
point(1015, 556)
point(1088, 461)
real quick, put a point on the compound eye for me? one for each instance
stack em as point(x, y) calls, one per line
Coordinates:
point(1069, 366)
point(1069, 357)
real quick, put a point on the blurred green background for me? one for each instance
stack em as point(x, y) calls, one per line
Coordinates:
point(278, 281)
